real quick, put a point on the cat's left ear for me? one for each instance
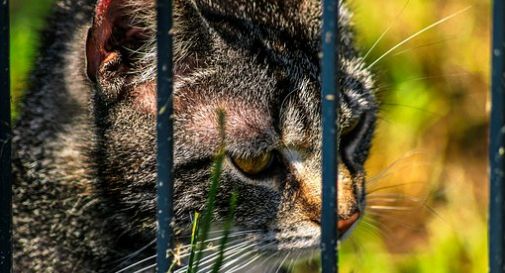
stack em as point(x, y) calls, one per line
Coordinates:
point(112, 39)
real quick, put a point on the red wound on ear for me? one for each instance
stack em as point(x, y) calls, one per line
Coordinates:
point(98, 45)
point(102, 6)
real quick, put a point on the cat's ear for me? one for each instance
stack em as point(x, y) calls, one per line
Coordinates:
point(116, 33)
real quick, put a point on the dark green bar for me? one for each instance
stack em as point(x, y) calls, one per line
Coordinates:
point(165, 133)
point(330, 104)
point(496, 144)
point(5, 144)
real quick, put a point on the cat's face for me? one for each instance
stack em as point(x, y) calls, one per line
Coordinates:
point(258, 64)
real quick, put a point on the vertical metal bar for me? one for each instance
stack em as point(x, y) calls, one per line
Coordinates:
point(330, 106)
point(5, 144)
point(497, 144)
point(165, 134)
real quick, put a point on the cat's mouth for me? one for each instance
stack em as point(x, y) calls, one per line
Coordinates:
point(299, 241)
point(303, 239)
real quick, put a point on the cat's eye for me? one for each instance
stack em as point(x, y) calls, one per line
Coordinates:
point(254, 165)
point(356, 141)
point(352, 125)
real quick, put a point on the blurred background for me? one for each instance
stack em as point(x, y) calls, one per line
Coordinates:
point(427, 172)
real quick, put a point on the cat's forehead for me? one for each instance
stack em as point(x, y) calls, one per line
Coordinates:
point(259, 109)
point(279, 14)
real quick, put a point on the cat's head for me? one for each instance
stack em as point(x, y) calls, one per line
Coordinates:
point(258, 63)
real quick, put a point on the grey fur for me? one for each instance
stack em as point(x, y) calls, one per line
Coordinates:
point(85, 152)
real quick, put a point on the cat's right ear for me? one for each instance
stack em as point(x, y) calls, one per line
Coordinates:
point(113, 36)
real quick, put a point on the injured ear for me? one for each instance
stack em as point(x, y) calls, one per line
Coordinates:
point(112, 41)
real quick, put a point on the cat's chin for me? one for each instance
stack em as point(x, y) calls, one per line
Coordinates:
point(302, 241)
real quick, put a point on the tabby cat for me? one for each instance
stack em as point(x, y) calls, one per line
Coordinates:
point(85, 145)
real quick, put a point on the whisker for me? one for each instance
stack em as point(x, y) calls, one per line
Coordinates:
point(240, 255)
point(131, 256)
point(267, 258)
point(420, 202)
point(234, 269)
point(438, 76)
point(378, 199)
point(374, 207)
point(371, 192)
point(357, 250)
point(185, 249)
point(239, 267)
point(383, 88)
point(411, 107)
point(443, 20)
point(282, 263)
point(209, 259)
point(377, 41)
point(241, 232)
point(146, 268)
point(438, 42)
point(313, 255)
point(137, 263)
point(210, 246)
point(183, 254)
point(393, 218)
point(389, 167)
point(229, 249)
point(291, 264)
point(385, 32)
point(373, 229)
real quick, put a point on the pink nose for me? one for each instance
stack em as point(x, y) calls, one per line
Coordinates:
point(345, 224)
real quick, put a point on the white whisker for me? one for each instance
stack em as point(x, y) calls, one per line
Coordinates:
point(438, 42)
point(137, 263)
point(240, 255)
point(282, 263)
point(145, 268)
point(239, 267)
point(373, 191)
point(417, 34)
point(373, 207)
point(395, 220)
point(229, 263)
point(385, 32)
point(373, 229)
point(386, 171)
point(187, 249)
point(377, 41)
point(395, 199)
point(267, 258)
point(209, 259)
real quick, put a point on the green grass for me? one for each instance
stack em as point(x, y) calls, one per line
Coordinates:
point(200, 229)
point(27, 19)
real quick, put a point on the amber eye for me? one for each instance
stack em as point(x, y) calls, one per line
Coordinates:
point(253, 165)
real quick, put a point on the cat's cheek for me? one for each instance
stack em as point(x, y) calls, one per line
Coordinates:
point(144, 98)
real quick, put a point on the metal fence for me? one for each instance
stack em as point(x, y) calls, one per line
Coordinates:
point(5, 144)
point(165, 132)
point(329, 103)
point(497, 144)
point(329, 74)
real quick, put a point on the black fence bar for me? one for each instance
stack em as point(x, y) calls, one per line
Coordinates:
point(5, 144)
point(330, 101)
point(497, 144)
point(165, 134)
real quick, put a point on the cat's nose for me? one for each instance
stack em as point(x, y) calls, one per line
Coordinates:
point(344, 225)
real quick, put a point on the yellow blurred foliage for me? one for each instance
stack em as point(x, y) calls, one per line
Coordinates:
point(428, 184)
